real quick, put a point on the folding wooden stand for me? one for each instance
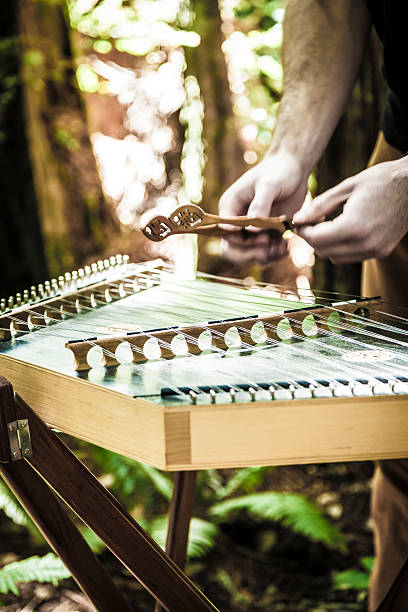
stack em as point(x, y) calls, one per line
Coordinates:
point(33, 460)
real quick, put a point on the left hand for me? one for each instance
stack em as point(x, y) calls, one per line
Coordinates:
point(374, 218)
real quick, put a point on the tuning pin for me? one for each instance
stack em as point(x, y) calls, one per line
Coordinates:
point(119, 260)
point(54, 285)
point(2, 305)
point(18, 299)
point(40, 290)
point(25, 296)
point(106, 264)
point(88, 270)
point(112, 261)
point(61, 282)
point(94, 268)
point(100, 265)
point(125, 260)
point(68, 278)
point(47, 287)
point(33, 294)
point(10, 302)
point(75, 277)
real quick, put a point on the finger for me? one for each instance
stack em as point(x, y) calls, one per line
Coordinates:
point(325, 204)
point(330, 233)
point(248, 239)
point(235, 201)
point(265, 195)
point(239, 255)
point(277, 249)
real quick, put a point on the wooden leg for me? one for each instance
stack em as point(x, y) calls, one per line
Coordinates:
point(79, 488)
point(181, 509)
point(62, 535)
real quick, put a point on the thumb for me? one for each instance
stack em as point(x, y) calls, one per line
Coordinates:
point(324, 204)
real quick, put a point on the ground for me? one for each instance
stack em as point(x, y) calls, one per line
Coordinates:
point(255, 566)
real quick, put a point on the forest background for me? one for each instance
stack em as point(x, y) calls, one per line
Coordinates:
point(114, 110)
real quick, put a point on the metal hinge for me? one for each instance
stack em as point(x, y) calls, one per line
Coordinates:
point(20, 440)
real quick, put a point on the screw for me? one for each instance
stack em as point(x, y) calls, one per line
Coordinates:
point(14, 453)
point(26, 451)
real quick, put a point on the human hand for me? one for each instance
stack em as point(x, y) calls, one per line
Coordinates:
point(277, 182)
point(374, 218)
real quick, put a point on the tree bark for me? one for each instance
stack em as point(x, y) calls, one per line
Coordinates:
point(74, 216)
point(21, 246)
point(223, 151)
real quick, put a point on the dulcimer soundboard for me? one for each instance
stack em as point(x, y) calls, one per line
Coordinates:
point(208, 372)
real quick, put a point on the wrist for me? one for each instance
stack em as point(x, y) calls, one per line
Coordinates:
point(291, 157)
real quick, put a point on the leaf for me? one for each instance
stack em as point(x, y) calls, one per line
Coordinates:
point(11, 506)
point(93, 541)
point(201, 537)
point(248, 478)
point(161, 482)
point(367, 563)
point(352, 579)
point(292, 510)
point(42, 569)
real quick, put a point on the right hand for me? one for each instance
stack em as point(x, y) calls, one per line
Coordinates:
point(276, 186)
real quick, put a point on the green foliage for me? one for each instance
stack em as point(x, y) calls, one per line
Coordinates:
point(133, 481)
point(202, 535)
point(11, 506)
point(292, 510)
point(65, 138)
point(355, 579)
point(42, 569)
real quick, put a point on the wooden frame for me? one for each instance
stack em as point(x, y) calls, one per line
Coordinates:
point(53, 464)
point(193, 437)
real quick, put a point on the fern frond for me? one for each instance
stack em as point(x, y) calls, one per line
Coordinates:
point(11, 506)
point(161, 482)
point(352, 579)
point(42, 569)
point(292, 510)
point(248, 479)
point(201, 538)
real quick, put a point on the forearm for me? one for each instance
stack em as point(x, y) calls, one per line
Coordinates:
point(324, 41)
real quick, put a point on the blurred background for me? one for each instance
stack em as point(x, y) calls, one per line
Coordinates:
point(112, 111)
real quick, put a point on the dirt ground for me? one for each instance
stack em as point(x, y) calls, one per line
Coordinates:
point(255, 566)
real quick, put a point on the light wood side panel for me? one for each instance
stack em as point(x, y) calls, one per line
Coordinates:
point(178, 440)
point(299, 431)
point(132, 427)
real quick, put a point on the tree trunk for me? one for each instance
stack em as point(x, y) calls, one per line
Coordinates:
point(224, 155)
point(347, 154)
point(21, 245)
point(74, 216)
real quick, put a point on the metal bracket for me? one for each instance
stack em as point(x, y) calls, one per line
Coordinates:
point(20, 439)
